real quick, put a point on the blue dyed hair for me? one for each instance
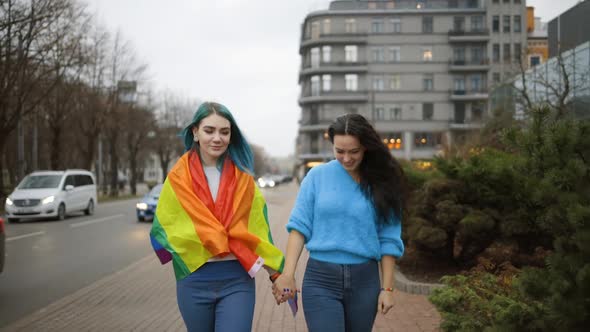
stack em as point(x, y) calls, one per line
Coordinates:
point(239, 150)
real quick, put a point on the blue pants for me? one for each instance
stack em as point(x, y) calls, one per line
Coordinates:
point(217, 297)
point(340, 297)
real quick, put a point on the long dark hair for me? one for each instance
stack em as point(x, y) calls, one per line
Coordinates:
point(382, 178)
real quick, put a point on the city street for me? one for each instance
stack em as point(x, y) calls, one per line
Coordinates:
point(99, 274)
point(47, 260)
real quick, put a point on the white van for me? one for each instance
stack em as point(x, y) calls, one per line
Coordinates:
point(52, 194)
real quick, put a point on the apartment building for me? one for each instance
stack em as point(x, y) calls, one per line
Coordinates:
point(419, 70)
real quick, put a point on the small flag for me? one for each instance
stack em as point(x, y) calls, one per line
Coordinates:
point(293, 304)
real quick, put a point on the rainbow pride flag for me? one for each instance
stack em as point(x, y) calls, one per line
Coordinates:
point(189, 227)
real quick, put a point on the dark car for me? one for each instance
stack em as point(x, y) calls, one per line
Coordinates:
point(146, 208)
point(2, 244)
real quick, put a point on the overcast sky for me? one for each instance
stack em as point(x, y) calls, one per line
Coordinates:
point(242, 53)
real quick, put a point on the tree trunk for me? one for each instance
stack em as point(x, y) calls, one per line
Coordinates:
point(3, 194)
point(114, 192)
point(89, 153)
point(55, 148)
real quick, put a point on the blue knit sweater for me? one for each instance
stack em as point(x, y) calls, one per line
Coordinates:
point(338, 222)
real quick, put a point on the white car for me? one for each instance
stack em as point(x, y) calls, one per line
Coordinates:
point(52, 194)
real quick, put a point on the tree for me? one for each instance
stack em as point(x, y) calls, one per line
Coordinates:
point(27, 39)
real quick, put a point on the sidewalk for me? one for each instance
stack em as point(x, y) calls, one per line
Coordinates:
point(142, 297)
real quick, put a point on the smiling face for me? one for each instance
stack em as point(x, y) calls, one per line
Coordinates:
point(213, 135)
point(349, 152)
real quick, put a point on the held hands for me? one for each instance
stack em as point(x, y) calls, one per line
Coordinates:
point(284, 288)
point(385, 301)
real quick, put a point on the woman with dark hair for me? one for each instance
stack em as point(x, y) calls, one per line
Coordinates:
point(347, 214)
point(211, 222)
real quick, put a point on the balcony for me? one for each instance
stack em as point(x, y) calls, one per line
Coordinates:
point(333, 38)
point(341, 96)
point(311, 126)
point(469, 95)
point(334, 68)
point(469, 65)
point(464, 36)
point(465, 124)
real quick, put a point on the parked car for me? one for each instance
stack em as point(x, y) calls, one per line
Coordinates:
point(52, 194)
point(2, 244)
point(146, 208)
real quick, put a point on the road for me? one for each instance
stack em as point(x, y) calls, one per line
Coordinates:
point(47, 260)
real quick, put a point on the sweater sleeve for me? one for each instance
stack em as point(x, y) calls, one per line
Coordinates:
point(301, 218)
point(390, 238)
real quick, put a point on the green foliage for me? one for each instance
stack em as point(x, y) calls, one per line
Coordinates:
point(483, 301)
point(530, 200)
point(417, 177)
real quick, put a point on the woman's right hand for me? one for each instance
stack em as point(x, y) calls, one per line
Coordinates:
point(284, 288)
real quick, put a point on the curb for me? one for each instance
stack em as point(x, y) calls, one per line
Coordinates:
point(412, 287)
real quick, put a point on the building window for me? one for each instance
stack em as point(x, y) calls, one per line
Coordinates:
point(477, 23)
point(507, 52)
point(427, 111)
point(378, 83)
point(477, 55)
point(459, 85)
point(393, 141)
point(351, 82)
point(379, 113)
point(496, 53)
point(427, 24)
point(496, 23)
point(518, 52)
point(326, 82)
point(350, 25)
point(396, 112)
point(506, 1)
point(327, 26)
point(396, 25)
point(534, 60)
point(517, 23)
point(453, 3)
point(476, 85)
point(458, 23)
point(427, 140)
point(477, 112)
point(506, 23)
point(377, 54)
point(326, 54)
point(428, 82)
point(350, 53)
point(459, 56)
point(377, 26)
point(395, 82)
point(427, 53)
point(394, 54)
point(315, 57)
point(315, 30)
point(315, 85)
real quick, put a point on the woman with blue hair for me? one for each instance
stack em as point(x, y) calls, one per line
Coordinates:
point(211, 222)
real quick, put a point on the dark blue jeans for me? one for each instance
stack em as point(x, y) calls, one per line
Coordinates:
point(340, 297)
point(225, 305)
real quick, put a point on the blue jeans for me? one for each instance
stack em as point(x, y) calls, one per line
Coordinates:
point(340, 297)
point(222, 305)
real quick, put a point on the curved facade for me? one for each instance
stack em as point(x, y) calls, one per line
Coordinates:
point(419, 70)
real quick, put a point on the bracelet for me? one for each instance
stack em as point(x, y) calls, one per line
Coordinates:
point(274, 276)
point(388, 289)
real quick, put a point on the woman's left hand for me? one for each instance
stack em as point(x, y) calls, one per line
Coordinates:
point(385, 302)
